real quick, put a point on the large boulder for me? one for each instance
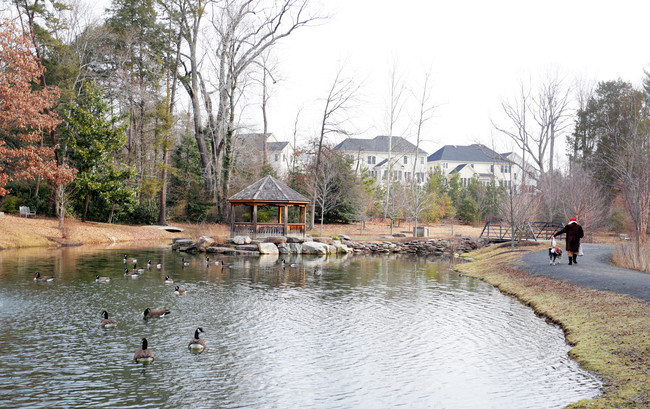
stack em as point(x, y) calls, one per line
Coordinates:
point(268, 248)
point(182, 243)
point(276, 239)
point(341, 248)
point(295, 248)
point(247, 247)
point(241, 240)
point(204, 242)
point(294, 239)
point(313, 247)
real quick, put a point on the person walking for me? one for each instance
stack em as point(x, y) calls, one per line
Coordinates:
point(574, 233)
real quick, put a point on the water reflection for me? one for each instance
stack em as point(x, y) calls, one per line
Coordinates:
point(326, 333)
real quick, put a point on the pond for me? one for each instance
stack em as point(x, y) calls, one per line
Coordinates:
point(355, 332)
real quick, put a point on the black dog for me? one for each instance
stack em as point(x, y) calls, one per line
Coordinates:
point(554, 254)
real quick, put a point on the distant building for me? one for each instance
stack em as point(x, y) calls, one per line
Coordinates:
point(473, 161)
point(278, 154)
point(407, 162)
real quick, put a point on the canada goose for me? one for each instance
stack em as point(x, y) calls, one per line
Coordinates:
point(143, 356)
point(39, 277)
point(208, 262)
point(130, 260)
point(139, 270)
point(108, 322)
point(157, 265)
point(130, 274)
point(197, 344)
point(99, 279)
point(168, 280)
point(149, 313)
point(185, 262)
point(285, 264)
point(179, 291)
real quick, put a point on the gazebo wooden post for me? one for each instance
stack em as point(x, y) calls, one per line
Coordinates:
point(254, 220)
point(303, 219)
point(285, 209)
point(232, 220)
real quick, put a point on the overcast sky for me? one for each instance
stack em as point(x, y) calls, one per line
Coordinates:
point(477, 52)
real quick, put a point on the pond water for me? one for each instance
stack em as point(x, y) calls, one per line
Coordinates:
point(355, 332)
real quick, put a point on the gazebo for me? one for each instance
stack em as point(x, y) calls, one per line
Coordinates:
point(262, 209)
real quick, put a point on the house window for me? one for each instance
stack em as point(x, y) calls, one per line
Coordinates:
point(407, 176)
point(277, 157)
point(491, 168)
point(284, 158)
point(445, 165)
point(372, 160)
point(505, 168)
point(406, 160)
point(422, 160)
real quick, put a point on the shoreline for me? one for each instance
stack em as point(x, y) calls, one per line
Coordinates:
point(609, 332)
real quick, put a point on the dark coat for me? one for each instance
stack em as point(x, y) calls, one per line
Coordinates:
point(573, 235)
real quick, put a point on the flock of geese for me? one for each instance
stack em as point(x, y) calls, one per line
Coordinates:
point(144, 355)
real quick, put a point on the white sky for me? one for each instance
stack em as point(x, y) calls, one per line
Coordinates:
point(477, 51)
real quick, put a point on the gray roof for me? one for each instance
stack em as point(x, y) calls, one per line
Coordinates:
point(268, 189)
point(275, 146)
point(379, 144)
point(471, 153)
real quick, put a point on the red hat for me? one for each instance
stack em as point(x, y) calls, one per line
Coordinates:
point(573, 219)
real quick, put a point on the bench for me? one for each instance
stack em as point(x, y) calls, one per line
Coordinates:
point(25, 211)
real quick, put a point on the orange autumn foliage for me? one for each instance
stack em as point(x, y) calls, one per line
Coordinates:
point(25, 114)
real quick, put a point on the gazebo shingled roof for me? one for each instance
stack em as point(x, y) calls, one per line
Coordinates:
point(268, 190)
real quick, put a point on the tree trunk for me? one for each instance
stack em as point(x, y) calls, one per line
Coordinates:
point(85, 213)
point(110, 216)
point(162, 216)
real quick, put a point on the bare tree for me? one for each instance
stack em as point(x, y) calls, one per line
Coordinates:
point(335, 119)
point(244, 30)
point(629, 162)
point(425, 113)
point(516, 209)
point(535, 122)
point(395, 106)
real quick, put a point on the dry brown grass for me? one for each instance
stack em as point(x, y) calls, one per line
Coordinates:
point(610, 332)
point(629, 257)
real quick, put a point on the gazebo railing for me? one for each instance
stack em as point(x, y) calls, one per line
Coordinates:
point(266, 229)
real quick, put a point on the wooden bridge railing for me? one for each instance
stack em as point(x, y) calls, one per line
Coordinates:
point(502, 231)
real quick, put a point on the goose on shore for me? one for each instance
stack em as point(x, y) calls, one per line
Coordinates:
point(196, 344)
point(108, 322)
point(149, 313)
point(99, 279)
point(39, 277)
point(143, 356)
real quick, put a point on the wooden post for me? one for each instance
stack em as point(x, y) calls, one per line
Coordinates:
point(232, 220)
point(303, 219)
point(254, 220)
point(286, 219)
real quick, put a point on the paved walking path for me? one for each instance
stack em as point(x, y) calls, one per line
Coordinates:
point(593, 270)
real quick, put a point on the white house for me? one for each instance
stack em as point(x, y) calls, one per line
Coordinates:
point(473, 161)
point(279, 155)
point(407, 162)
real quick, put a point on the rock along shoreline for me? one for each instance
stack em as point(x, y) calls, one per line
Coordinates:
point(340, 244)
